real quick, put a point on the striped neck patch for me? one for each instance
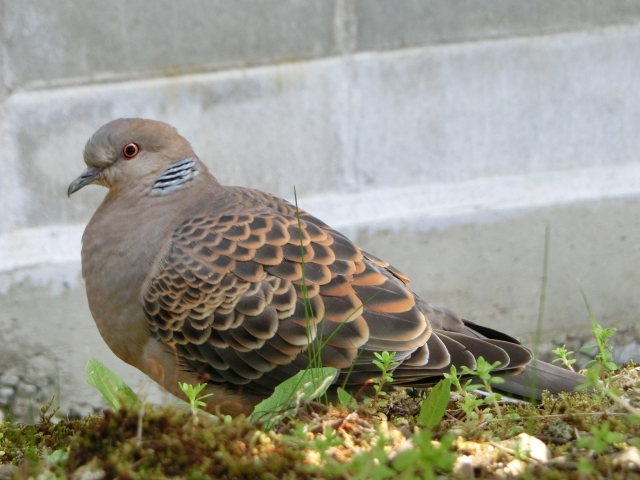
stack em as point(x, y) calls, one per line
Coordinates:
point(176, 175)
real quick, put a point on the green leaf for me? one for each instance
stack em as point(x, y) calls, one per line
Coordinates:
point(585, 466)
point(110, 385)
point(426, 456)
point(612, 366)
point(469, 387)
point(405, 460)
point(378, 363)
point(366, 466)
point(494, 397)
point(59, 456)
point(587, 348)
point(434, 406)
point(304, 386)
point(346, 399)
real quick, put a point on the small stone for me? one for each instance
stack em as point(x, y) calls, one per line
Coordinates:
point(629, 459)
point(463, 467)
point(545, 350)
point(9, 380)
point(7, 472)
point(538, 450)
point(44, 394)
point(623, 354)
point(535, 447)
point(90, 471)
point(560, 339)
point(515, 468)
point(574, 345)
point(312, 458)
point(41, 371)
point(582, 359)
point(6, 396)
point(26, 390)
point(406, 444)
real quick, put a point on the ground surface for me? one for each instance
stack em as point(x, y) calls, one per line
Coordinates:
point(384, 441)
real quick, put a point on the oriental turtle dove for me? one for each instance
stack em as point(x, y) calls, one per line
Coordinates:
point(189, 280)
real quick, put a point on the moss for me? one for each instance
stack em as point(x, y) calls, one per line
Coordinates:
point(167, 443)
point(27, 443)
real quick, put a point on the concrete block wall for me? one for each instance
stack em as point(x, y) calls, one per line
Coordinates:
point(441, 135)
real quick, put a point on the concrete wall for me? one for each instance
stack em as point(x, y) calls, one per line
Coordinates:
point(441, 135)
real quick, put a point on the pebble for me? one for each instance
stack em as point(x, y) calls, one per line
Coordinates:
point(41, 371)
point(629, 459)
point(7, 472)
point(515, 468)
point(560, 339)
point(6, 396)
point(27, 390)
point(463, 467)
point(624, 353)
point(88, 472)
point(9, 380)
point(536, 448)
point(405, 445)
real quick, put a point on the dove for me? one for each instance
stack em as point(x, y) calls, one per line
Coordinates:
point(192, 281)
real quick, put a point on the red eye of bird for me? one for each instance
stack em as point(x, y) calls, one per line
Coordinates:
point(130, 150)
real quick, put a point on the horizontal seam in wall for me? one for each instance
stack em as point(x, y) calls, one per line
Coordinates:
point(106, 78)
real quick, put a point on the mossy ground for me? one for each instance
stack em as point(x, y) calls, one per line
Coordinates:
point(168, 443)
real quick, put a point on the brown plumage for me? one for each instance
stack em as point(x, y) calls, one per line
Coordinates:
point(189, 280)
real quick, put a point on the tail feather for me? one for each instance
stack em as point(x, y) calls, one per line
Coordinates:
point(538, 376)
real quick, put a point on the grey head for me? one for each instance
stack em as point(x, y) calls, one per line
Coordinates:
point(134, 153)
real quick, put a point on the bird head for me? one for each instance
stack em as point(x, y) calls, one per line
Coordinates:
point(135, 153)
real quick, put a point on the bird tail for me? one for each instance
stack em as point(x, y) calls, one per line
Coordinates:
point(538, 376)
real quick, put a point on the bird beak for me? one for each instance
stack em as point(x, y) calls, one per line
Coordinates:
point(85, 178)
